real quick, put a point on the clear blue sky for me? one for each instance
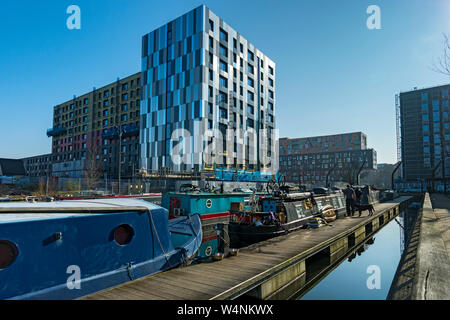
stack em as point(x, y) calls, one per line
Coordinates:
point(333, 74)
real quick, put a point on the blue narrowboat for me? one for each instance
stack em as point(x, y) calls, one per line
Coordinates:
point(70, 249)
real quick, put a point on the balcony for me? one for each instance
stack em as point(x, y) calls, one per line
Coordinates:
point(56, 131)
point(127, 130)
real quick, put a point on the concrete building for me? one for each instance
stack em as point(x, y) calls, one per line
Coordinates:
point(199, 74)
point(317, 160)
point(424, 134)
point(39, 166)
point(86, 129)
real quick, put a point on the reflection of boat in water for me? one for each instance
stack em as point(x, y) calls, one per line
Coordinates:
point(69, 249)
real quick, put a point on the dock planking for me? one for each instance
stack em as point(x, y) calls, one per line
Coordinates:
point(231, 276)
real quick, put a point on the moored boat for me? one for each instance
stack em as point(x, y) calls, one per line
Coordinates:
point(69, 249)
point(271, 216)
point(214, 210)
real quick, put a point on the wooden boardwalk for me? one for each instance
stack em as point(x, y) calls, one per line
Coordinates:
point(253, 265)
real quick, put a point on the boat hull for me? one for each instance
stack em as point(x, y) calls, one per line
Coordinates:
point(71, 255)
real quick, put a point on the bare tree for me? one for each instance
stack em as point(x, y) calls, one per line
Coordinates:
point(92, 170)
point(349, 171)
point(442, 64)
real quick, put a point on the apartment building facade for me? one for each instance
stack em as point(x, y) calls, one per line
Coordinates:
point(325, 159)
point(91, 131)
point(39, 166)
point(424, 133)
point(202, 76)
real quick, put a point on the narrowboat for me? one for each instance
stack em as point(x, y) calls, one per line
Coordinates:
point(271, 216)
point(214, 208)
point(70, 249)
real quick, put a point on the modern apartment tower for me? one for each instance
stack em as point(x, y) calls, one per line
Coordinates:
point(424, 134)
point(201, 76)
point(92, 127)
point(320, 160)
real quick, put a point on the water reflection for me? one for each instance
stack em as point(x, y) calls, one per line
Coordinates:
point(349, 280)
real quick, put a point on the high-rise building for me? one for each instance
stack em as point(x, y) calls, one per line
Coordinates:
point(424, 133)
point(86, 130)
point(202, 76)
point(322, 159)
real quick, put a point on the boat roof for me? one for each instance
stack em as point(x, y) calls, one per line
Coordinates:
point(21, 211)
point(202, 193)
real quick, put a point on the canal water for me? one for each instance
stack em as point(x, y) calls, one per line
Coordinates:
point(349, 281)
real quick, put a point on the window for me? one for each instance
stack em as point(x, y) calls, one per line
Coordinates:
point(223, 82)
point(250, 69)
point(105, 122)
point(125, 86)
point(271, 82)
point(211, 58)
point(223, 113)
point(211, 77)
point(223, 51)
point(435, 116)
point(250, 82)
point(210, 105)
point(106, 94)
point(85, 110)
point(105, 112)
point(424, 96)
point(250, 54)
point(271, 94)
point(234, 43)
point(211, 42)
point(124, 117)
point(250, 109)
point(211, 25)
point(234, 57)
point(271, 70)
point(223, 66)
point(86, 101)
point(241, 47)
point(250, 95)
point(124, 97)
point(270, 104)
point(435, 105)
point(223, 35)
point(124, 107)
point(105, 103)
point(210, 91)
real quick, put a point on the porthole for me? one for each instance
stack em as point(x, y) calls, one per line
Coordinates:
point(123, 234)
point(208, 251)
point(8, 253)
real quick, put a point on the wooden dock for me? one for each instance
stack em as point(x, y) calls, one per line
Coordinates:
point(263, 270)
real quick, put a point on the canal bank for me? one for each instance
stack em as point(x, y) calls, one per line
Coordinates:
point(424, 270)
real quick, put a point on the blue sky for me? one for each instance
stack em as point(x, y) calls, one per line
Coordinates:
point(334, 75)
